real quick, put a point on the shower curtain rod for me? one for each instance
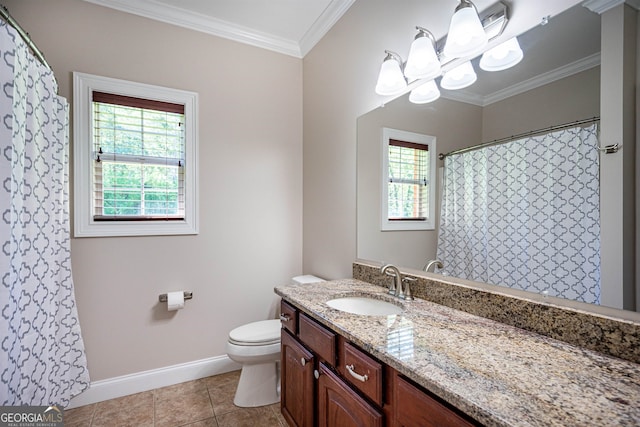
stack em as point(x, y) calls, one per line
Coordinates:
point(441, 156)
point(4, 14)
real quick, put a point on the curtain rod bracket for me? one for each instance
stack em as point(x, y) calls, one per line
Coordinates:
point(610, 149)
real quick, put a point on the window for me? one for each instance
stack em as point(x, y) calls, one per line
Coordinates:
point(408, 190)
point(135, 158)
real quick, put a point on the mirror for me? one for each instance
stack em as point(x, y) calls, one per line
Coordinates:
point(557, 82)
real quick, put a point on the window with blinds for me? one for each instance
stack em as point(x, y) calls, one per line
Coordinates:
point(138, 159)
point(408, 188)
point(408, 181)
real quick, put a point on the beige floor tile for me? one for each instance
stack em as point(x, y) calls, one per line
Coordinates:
point(229, 379)
point(81, 416)
point(207, 402)
point(126, 416)
point(133, 410)
point(278, 413)
point(210, 422)
point(184, 409)
point(222, 389)
point(249, 417)
point(178, 390)
point(120, 403)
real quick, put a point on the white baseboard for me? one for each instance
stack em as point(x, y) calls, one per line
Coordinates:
point(155, 378)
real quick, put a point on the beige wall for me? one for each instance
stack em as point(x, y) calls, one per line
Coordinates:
point(250, 187)
point(440, 119)
point(339, 79)
point(566, 100)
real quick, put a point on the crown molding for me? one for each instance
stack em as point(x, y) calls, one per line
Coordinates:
point(323, 24)
point(175, 15)
point(601, 6)
point(526, 85)
point(545, 78)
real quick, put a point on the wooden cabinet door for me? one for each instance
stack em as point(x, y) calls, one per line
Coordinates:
point(340, 406)
point(296, 383)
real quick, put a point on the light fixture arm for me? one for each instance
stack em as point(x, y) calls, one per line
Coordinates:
point(423, 32)
point(392, 55)
point(463, 4)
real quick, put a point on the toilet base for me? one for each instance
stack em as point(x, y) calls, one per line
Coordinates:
point(258, 385)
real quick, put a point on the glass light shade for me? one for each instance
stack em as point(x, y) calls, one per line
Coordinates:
point(390, 80)
point(460, 77)
point(503, 56)
point(425, 93)
point(423, 61)
point(466, 34)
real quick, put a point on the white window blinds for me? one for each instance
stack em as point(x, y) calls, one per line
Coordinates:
point(139, 159)
point(408, 184)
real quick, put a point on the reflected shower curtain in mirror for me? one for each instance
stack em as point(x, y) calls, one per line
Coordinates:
point(526, 214)
point(42, 358)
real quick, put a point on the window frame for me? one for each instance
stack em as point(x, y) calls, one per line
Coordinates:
point(407, 225)
point(84, 224)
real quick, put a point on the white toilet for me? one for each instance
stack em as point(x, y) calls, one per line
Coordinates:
point(257, 347)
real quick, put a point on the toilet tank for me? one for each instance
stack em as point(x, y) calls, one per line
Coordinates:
point(307, 278)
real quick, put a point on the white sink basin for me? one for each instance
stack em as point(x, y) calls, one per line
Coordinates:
point(364, 306)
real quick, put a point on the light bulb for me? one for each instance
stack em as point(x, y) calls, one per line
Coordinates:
point(466, 35)
point(503, 56)
point(427, 92)
point(423, 61)
point(391, 81)
point(460, 77)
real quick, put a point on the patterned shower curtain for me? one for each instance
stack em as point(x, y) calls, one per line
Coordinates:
point(526, 214)
point(42, 358)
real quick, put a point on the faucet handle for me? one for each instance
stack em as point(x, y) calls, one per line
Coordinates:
point(406, 281)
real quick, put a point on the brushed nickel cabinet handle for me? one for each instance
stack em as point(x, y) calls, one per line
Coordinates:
point(356, 375)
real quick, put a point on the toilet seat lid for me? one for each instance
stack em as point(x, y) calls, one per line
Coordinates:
point(261, 332)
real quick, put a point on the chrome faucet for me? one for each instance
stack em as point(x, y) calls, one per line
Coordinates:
point(400, 286)
point(431, 263)
point(395, 287)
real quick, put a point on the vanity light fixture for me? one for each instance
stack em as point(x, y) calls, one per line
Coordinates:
point(391, 81)
point(460, 77)
point(503, 56)
point(423, 62)
point(425, 93)
point(466, 35)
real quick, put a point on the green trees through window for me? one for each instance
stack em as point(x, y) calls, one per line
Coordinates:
point(139, 155)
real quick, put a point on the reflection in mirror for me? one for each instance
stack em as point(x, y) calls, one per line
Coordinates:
point(557, 82)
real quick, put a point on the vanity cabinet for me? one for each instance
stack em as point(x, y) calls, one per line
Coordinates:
point(328, 381)
point(312, 392)
point(297, 388)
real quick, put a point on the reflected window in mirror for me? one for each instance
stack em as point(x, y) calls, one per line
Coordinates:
point(408, 192)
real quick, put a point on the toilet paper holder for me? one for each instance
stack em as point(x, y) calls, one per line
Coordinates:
point(187, 295)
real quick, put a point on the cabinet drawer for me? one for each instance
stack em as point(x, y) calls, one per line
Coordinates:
point(318, 338)
point(415, 407)
point(289, 317)
point(339, 405)
point(362, 371)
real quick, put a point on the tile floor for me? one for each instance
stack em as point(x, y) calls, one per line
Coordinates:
point(207, 402)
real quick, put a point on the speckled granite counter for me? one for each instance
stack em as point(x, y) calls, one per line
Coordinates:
point(498, 374)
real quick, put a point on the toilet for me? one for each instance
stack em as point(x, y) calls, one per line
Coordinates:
point(256, 346)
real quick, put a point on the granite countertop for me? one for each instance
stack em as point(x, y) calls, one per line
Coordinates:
point(498, 374)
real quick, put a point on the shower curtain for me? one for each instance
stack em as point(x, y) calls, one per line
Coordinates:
point(42, 358)
point(526, 214)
